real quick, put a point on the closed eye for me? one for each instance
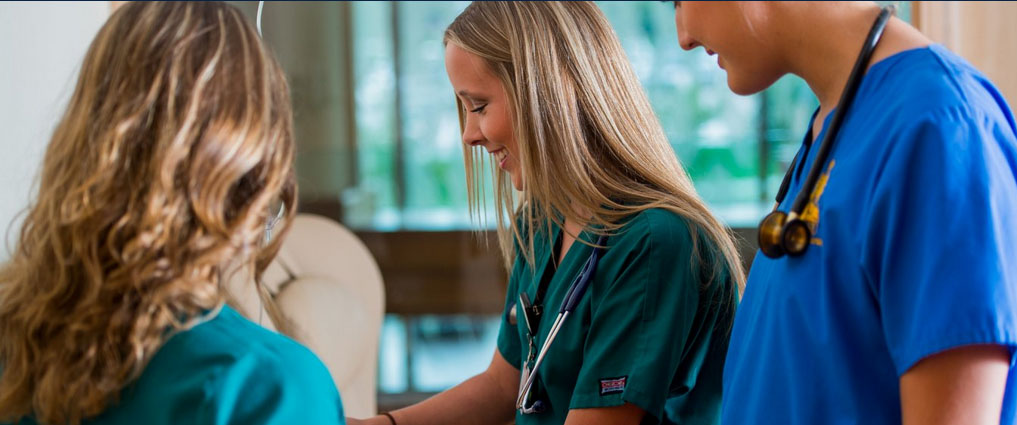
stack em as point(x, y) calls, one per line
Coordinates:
point(479, 108)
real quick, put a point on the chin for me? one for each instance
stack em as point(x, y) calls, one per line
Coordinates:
point(744, 89)
point(747, 86)
point(516, 179)
point(517, 184)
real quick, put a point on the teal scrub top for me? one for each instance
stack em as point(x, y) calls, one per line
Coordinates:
point(228, 370)
point(649, 330)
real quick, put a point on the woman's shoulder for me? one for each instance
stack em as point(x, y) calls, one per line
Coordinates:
point(231, 366)
point(950, 89)
point(228, 340)
point(660, 227)
point(670, 241)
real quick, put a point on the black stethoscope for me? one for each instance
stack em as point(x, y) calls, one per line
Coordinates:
point(781, 233)
point(525, 401)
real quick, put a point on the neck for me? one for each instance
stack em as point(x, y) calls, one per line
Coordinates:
point(582, 215)
point(826, 40)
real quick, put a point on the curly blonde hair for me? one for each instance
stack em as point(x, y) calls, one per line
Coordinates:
point(157, 183)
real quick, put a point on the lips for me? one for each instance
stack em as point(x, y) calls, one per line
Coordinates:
point(711, 53)
point(500, 156)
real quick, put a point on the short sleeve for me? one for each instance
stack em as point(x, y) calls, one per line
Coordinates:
point(640, 319)
point(509, 344)
point(292, 388)
point(940, 244)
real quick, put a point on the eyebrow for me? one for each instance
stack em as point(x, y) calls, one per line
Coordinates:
point(469, 95)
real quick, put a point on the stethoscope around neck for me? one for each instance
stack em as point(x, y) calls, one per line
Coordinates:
point(531, 317)
point(786, 233)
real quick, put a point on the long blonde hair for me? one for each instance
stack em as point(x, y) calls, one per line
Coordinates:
point(588, 138)
point(158, 178)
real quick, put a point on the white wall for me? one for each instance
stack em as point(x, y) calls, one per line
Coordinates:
point(41, 47)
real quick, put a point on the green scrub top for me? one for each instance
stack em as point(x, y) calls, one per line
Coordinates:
point(649, 330)
point(228, 370)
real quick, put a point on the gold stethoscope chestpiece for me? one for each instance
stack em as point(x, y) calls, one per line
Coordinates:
point(781, 234)
point(796, 237)
point(770, 231)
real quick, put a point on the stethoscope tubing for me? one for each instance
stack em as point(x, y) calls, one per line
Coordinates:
point(846, 98)
point(558, 321)
point(568, 305)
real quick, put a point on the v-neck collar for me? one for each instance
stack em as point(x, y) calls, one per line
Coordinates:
point(547, 255)
point(876, 71)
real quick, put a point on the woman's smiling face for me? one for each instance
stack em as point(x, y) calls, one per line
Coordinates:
point(488, 115)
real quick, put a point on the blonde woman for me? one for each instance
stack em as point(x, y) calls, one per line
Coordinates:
point(161, 175)
point(545, 89)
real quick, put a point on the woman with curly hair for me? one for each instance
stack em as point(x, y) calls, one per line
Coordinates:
point(157, 185)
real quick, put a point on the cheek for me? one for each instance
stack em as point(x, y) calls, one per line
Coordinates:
point(499, 129)
point(509, 139)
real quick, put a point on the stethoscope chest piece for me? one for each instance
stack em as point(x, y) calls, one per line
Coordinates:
point(770, 230)
point(781, 235)
point(796, 237)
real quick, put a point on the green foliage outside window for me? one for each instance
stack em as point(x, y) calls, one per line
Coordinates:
point(716, 135)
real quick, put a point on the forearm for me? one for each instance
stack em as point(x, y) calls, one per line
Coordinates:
point(479, 400)
point(488, 398)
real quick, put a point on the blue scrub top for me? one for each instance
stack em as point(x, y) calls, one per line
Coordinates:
point(915, 219)
point(228, 370)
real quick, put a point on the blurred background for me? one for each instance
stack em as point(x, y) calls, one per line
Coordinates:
point(379, 146)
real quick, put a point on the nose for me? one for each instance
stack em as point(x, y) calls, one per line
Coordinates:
point(684, 40)
point(471, 132)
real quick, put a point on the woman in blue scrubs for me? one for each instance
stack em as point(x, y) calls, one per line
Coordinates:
point(903, 306)
point(157, 185)
point(547, 96)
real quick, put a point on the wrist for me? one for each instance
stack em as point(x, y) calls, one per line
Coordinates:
point(386, 418)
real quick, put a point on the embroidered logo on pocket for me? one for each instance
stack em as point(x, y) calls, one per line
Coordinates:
point(612, 385)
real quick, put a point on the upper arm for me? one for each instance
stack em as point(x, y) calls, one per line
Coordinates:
point(960, 386)
point(644, 337)
point(509, 347)
point(938, 244)
point(938, 253)
point(504, 376)
point(626, 414)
